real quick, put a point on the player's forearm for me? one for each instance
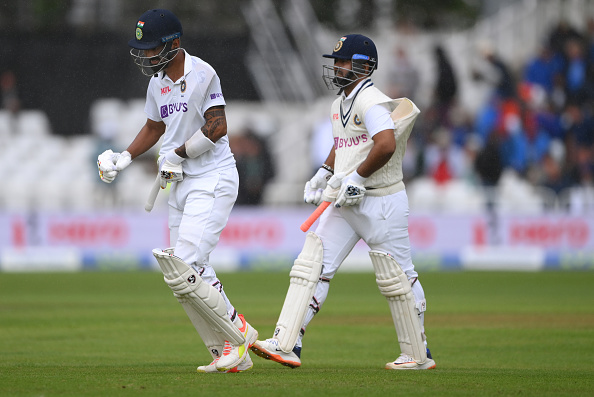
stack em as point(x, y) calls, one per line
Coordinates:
point(148, 136)
point(204, 139)
point(383, 148)
point(330, 159)
point(372, 163)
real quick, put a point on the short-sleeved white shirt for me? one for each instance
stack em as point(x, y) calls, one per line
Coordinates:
point(181, 106)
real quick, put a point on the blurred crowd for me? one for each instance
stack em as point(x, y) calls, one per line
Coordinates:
point(538, 122)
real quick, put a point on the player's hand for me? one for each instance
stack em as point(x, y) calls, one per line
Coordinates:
point(351, 190)
point(170, 168)
point(312, 193)
point(110, 164)
point(334, 183)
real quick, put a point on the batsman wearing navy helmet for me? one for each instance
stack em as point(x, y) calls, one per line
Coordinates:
point(185, 106)
point(362, 178)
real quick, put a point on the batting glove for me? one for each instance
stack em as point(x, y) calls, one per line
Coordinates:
point(123, 160)
point(110, 164)
point(170, 168)
point(333, 186)
point(314, 188)
point(351, 190)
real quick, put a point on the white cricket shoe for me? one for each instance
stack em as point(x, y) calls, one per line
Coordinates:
point(233, 355)
point(407, 362)
point(245, 365)
point(270, 350)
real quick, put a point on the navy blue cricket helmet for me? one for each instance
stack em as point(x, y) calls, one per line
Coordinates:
point(357, 48)
point(155, 28)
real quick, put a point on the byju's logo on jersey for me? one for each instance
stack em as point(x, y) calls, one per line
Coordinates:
point(168, 110)
point(217, 95)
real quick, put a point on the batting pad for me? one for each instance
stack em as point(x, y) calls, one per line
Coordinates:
point(394, 285)
point(304, 277)
point(213, 340)
point(200, 297)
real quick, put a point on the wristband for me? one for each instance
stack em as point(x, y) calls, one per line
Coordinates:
point(356, 178)
point(174, 158)
point(328, 168)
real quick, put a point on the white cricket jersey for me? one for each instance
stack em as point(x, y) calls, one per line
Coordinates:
point(353, 142)
point(181, 106)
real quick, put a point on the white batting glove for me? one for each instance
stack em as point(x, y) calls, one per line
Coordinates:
point(333, 186)
point(106, 163)
point(351, 190)
point(110, 164)
point(312, 193)
point(170, 168)
point(123, 160)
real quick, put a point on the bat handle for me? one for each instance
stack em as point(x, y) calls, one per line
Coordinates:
point(150, 201)
point(314, 216)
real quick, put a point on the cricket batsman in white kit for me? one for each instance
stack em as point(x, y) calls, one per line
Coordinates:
point(362, 177)
point(185, 105)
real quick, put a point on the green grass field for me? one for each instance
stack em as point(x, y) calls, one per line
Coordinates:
point(124, 334)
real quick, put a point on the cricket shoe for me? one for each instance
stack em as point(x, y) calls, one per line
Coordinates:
point(233, 355)
point(407, 362)
point(270, 350)
point(245, 365)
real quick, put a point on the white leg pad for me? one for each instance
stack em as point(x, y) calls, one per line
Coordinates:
point(198, 297)
point(304, 277)
point(213, 340)
point(395, 286)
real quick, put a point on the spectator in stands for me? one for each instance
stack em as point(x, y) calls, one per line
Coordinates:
point(498, 73)
point(579, 141)
point(562, 33)
point(254, 165)
point(577, 82)
point(444, 160)
point(542, 69)
point(403, 76)
point(446, 86)
point(10, 96)
point(554, 174)
point(489, 167)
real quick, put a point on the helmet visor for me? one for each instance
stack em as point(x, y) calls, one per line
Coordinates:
point(334, 80)
point(151, 65)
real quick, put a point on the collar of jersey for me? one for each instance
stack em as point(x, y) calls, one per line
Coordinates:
point(344, 117)
point(187, 68)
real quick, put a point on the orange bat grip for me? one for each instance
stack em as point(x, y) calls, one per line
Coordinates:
point(314, 216)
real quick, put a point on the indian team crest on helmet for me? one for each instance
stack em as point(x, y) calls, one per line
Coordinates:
point(139, 27)
point(338, 45)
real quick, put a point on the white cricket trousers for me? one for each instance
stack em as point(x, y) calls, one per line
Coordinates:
point(199, 209)
point(382, 222)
